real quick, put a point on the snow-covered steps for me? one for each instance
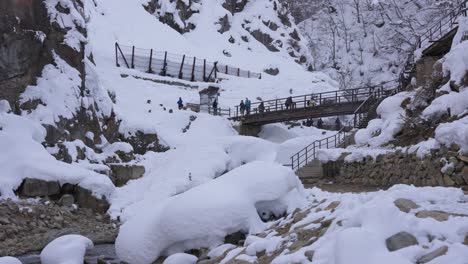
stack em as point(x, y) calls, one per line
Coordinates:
point(310, 173)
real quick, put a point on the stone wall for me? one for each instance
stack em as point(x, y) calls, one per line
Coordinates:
point(402, 168)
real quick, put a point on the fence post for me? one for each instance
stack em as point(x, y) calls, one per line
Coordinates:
point(193, 69)
point(164, 68)
point(204, 70)
point(260, 77)
point(305, 101)
point(133, 57)
point(227, 70)
point(248, 74)
point(181, 75)
point(216, 70)
point(238, 72)
point(150, 61)
point(116, 56)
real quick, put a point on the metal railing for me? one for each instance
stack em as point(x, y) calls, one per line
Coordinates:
point(175, 65)
point(219, 111)
point(341, 138)
point(313, 100)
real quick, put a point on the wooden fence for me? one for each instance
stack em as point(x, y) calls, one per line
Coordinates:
point(175, 65)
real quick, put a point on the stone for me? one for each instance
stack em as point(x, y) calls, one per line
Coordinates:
point(234, 238)
point(405, 205)
point(35, 187)
point(437, 215)
point(464, 174)
point(122, 173)
point(309, 254)
point(466, 239)
point(432, 255)
point(448, 181)
point(66, 200)
point(84, 198)
point(332, 206)
point(463, 158)
point(400, 240)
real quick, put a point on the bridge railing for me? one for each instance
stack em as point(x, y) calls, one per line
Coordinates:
point(342, 137)
point(443, 26)
point(175, 65)
point(314, 100)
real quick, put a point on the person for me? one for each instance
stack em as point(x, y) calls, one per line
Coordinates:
point(180, 103)
point(247, 105)
point(310, 122)
point(261, 107)
point(288, 102)
point(320, 123)
point(242, 107)
point(215, 106)
point(311, 103)
point(338, 123)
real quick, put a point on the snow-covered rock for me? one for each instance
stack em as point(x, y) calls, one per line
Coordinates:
point(68, 249)
point(9, 260)
point(203, 216)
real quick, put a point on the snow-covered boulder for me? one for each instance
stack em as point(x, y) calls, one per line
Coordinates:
point(181, 258)
point(69, 249)
point(204, 215)
point(9, 260)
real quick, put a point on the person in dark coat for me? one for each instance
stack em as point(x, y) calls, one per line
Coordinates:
point(215, 107)
point(180, 103)
point(288, 102)
point(261, 107)
point(338, 123)
point(242, 107)
point(320, 123)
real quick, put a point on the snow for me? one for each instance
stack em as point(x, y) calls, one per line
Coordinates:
point(171, 227)
point(181, 258)
point(382, 130)
point(220, 250)
point(27, 157)
point(454, 132)
point(58, 90)
point(363, 221)
point(68, 249)
point(456, 101)
point(9, 260)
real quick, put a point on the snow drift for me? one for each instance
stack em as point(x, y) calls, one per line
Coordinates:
point(203, 216)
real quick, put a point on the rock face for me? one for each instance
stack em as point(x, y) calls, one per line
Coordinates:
point(400, 240)
point(71, 193)
point(432, 255)
point(405, 205)
point(122, 173)
point(142, 143)
point(35, 187)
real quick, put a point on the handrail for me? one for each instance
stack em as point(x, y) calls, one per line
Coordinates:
point(302, 157)
point(314, 99)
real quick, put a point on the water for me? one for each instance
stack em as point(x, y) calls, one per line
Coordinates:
point(99, 251)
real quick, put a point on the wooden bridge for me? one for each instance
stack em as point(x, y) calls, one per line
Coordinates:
point(318, 105)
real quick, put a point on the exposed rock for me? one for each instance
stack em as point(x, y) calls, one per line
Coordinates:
point(234, 6)
point(234, 238)
point(35, 187)
point(122, 173)
point(272, 71)
point(405, 205)
point(224, 23)
point(432, 255)
point(466, 239)
point(85, 199)
point(66, 200)
point(142, 143)
point(437, 215)
point(400, 240)
point(309, 254)
point(265, 39)
point(332, 206)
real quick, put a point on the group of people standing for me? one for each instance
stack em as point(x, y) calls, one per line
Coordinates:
point(244, 107)
point(310, 122)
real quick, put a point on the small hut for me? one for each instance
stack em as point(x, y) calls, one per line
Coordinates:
point(207, 97)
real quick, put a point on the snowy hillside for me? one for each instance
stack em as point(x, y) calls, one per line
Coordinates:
point(101, 164)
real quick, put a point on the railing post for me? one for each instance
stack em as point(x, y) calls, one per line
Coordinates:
point(204, 70)
point(227, 70)
point(150, 61)
point(133, 57)
point(216, 70)
point(193, 69)
point(116, 56)
point(305, 101)
point(238, 72)
point(248, 74)
point(181, 75)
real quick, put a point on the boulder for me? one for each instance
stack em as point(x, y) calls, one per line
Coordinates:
point(432, 255)
point(405, 205)
point(122, 173)
point(400, 240)
point(66, 200)
point(437, 215)
point(84, 198)
point(35, 187)
point(309, 254)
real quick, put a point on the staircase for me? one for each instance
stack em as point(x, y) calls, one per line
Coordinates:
point(310, 173)
point(371, 114)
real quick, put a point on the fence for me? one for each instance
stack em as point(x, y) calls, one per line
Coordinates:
point(175, 65)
